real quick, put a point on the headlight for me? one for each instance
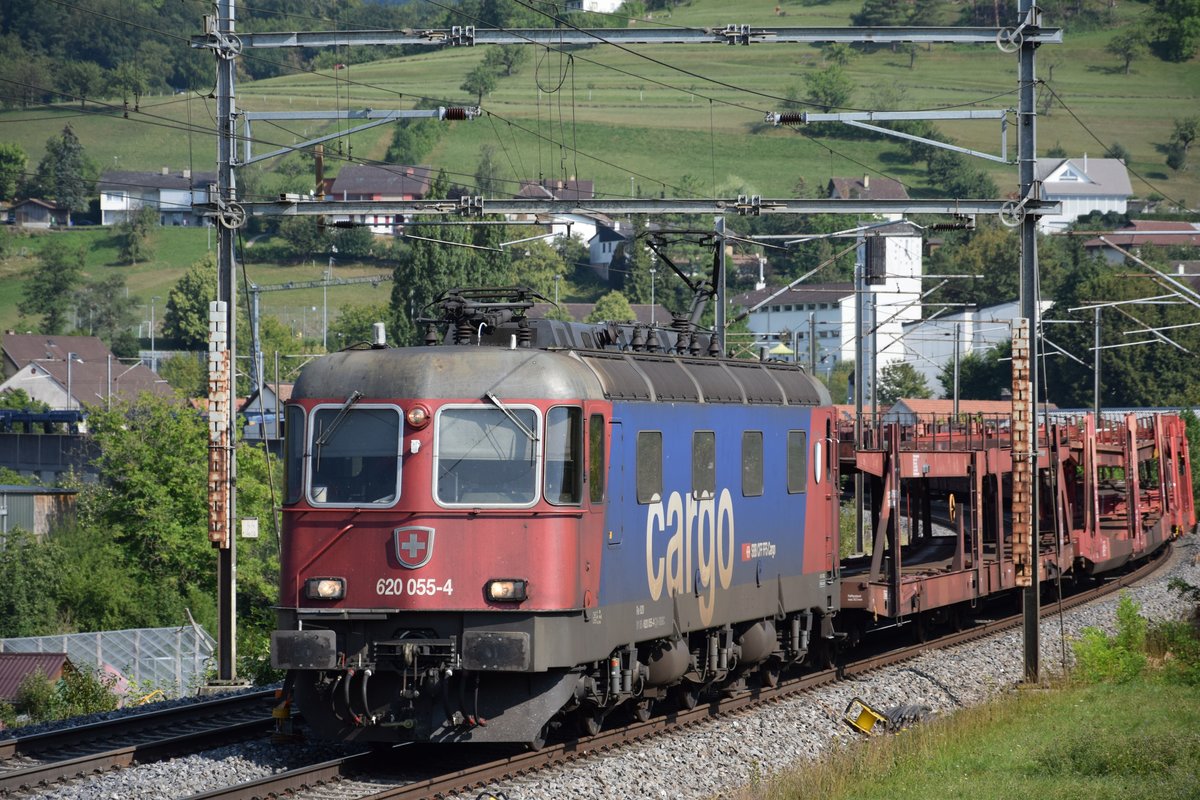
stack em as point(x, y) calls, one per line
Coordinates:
point(418, 417)
point(507, 589)
point(325, 588)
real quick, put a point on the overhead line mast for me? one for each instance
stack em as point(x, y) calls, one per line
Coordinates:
point(220, 36)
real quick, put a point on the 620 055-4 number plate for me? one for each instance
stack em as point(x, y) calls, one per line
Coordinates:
point(398, 587)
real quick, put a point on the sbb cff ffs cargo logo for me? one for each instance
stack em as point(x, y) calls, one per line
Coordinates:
point(413, 546)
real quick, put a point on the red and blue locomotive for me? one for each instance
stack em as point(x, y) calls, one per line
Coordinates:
point(528, 523)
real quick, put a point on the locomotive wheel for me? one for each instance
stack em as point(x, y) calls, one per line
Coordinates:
point(769, 674)
point(590, 721)
point(643, 710)
point(539, 741)
point(687, 696)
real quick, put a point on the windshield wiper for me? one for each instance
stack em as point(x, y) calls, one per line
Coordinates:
point(354, 397)
point(508, 412)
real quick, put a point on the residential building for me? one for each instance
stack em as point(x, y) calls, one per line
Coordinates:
point(599, 6)
point(263, 412)
point(1140, 234)
point(366, 182)
point(34, 213)
point(607, 240)
point(581, 225)
point(868, 188)
point(69, 372)
point(786, 316)
point(171, 194)
point(929, 344)
point(1082, 186)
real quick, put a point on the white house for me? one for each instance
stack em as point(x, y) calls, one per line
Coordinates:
point(1082, 186)
point(601, 6)
point(787, 316)
point(604, 245)
point(172, 195)
point(929, 343)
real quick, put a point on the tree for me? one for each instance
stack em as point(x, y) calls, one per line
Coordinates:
point(50, 285)
point(877, 13)
point(489, 174)
point(29, 572)
point(536, 267)
point(133, 236)
point(980, 377)
point(1181, 141)
point(187, 375)
point(12, 170)
point(838, 53)
point(1176, 27)
point(108, 306)
point(829, 88)
point(304, 237)
point(1127, 45)
point(65, 174)
point(129, 79)
point(82, 79)
point(612, 307)
point(479, 82)
point(354, 324)
point(185, 320)
point(900, 380)
point(506, 57)
point(952, 175)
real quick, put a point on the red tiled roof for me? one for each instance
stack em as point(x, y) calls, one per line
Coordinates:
point(15, 666)
point(1152, 232)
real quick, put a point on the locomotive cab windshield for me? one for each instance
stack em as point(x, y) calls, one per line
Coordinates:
point(354, 458)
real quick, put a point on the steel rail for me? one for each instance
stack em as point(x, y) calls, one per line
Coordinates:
point(140, 738)
point(474, 777)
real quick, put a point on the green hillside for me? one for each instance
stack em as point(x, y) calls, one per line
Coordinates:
point(650, 114)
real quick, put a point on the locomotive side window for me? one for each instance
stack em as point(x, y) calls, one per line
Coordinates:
point(486, 456)
point(355, 456)
point(704, 464)
point(564, 456)
point(293, 464)
point(649, 466)
point(596, 456)
point(797, 461)
point(752, 463)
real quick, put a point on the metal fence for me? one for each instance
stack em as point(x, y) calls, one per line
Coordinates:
point(171, 659)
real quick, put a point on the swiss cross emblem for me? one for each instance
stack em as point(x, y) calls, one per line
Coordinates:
point(413, 546)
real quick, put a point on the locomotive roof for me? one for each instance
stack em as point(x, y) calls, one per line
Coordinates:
point(457, 371)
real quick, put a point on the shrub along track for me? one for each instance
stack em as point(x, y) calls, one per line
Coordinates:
point(461, 770)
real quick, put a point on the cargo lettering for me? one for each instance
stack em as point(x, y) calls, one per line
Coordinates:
point(698, 551)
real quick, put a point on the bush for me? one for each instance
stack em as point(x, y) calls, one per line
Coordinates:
point(86, 691)
point(37, 698)
point(1100, 658)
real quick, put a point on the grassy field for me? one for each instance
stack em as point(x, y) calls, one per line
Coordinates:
point(610, 115)
point(174, 250)
point(1135, 741)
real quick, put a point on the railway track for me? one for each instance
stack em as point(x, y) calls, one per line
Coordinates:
point(31, 762)
point(375, 775)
